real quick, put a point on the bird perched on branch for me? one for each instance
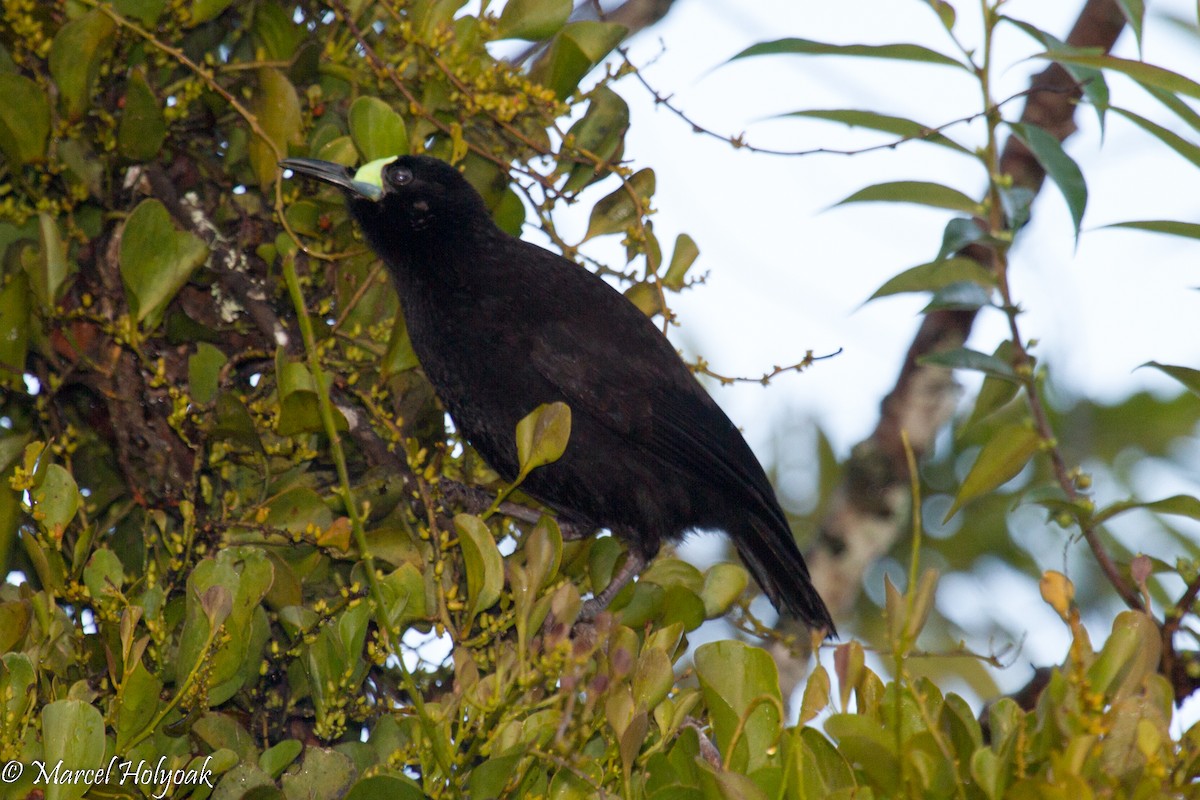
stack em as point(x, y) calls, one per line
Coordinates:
point(502, 326)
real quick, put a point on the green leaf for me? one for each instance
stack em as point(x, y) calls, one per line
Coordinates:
point(1089, 79)
point(104, 574)
point(378, 131)
point(324, 774)
point(143, 128)
point(533, 20)
point(79, 49)
point(56, 499)
point(1168, 137)
point(204, 372)
point(807, 47)
point(386, 787)
point(961, 295)
point(1189, 377)
point(1181, 504)
point(484, 566)
point(139, 701)
point(156, 260)
point(202, 11)
point(1134, 11)
point(997, 390)
point(962, 358)
point(600, 133)
point(897, 126)
point(1061, 168)
point(1147, 75)
point(1180, 108)
point(936, 275)
point(617, 211)
point(277, 108)
point(741, 689)
point(723, 585)
point(277, 758)
point(816, 695)
point(542, 436)
point(682, 257)
point(24, 119)
point(73, 735)
point(1004, 455)
point(14, 334)
point(919, 192)
point(145, 11)
point(945, 12)
point(1189, 230)
point(573, 52)
point(47, 266)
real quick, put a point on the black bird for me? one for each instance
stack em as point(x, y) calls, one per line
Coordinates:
point(502, 326)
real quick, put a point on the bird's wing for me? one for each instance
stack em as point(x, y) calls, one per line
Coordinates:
point(643, 392)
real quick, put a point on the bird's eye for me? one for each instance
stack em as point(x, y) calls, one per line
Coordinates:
point(398, 175)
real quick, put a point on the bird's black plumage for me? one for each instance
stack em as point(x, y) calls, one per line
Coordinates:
point(501, 326)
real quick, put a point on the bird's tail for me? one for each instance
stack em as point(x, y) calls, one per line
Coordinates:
point(776, 563)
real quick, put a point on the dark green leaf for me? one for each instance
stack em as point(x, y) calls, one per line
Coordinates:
point(937, 275)
point(898, 126)
point(1134, 11)
point(1061, 168)
point(920, 192)
point(1168, 137)
point(1186, 375)
point(1090, 80)
point(1148, 75)
point(902, 52)
point(1190, 230)
point(963, 295)
point(14, 333)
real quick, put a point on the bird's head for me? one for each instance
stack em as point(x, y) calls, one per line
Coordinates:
point(402, 200)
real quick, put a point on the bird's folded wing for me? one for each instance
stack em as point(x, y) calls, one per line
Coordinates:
point(668, 415)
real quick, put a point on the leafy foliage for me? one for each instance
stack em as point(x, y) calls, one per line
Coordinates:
point(245, 529)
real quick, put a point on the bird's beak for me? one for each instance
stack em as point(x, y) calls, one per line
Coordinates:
point(336, 175)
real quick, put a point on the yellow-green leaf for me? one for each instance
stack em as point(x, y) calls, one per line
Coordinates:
point(485, 567)
point(617, 211)
point(277, 108)
point(378, 131)
point(542, 436)
point(533, 19)
point(1005, 454)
